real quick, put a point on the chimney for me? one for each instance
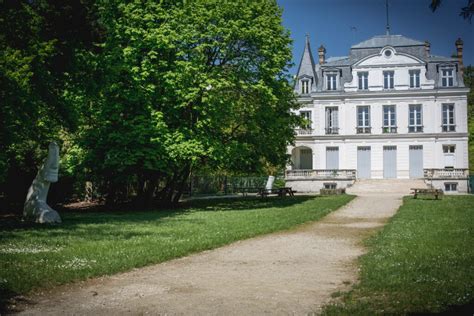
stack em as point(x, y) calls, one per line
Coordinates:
point(459, 44)
point(322, 54)
point(427, 49)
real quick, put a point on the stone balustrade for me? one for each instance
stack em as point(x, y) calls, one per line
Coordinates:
point(446, 173)
point(321, 174)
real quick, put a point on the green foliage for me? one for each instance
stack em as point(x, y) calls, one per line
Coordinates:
point(469, 83)
point(421, 262)
point(82, 246)
point(36, 53)
point(185, 86)
point(142, 93)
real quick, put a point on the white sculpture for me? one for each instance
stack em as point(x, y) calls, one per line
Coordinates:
point(269, 185)
point(35, 208)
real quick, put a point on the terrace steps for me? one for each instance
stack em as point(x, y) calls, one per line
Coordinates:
point(388, 186)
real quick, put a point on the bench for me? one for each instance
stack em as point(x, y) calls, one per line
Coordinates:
point(436, 193)
point(281, 192)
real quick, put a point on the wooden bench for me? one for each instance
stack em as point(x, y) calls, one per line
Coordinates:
point(281, 192)
point(436, 193)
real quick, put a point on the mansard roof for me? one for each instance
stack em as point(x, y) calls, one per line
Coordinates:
point(380, 41)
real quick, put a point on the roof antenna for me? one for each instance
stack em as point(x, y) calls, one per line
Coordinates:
point(388, 24)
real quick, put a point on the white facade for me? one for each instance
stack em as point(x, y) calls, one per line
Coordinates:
point(389, 110)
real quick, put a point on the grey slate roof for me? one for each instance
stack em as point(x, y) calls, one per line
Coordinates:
point(434, 58)
point(380, 41)
point(338, 61)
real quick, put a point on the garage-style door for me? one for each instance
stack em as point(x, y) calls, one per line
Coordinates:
point(363, 162)
point(389, 162)
point(416, 161)
point(332, 157)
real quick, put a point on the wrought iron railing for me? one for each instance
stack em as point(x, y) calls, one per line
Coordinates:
point(332, 130)
point(363, 129)
point(304, 131)
point(447, 173)
point(389, 129)
point(321, 174)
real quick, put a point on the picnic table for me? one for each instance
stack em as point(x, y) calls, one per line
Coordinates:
point(436, 193)
point(281, 192)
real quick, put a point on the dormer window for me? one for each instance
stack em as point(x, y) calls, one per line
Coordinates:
point(447, 77)
point(304, 86)
point(331, 81)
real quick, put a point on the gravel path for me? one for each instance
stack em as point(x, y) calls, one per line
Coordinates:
point(292, 272)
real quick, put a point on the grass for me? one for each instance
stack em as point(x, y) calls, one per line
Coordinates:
point(421, 262)
point(94, 244)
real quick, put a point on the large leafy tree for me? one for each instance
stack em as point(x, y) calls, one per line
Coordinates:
point(38, 40)
point(187, 84)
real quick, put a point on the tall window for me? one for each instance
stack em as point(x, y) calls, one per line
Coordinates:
point(448, 118)
point(363, 119)
point(332, 120)
point(331, 81)
point(447, 77)
point(363, 80)
point(304, 86)
point(415, 118)
point(414, 78)
point(388, 79)
point(389, 119)
point(305, 128)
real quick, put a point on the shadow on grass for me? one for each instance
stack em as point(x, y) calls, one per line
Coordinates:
point(466, 309)
point(75, 219)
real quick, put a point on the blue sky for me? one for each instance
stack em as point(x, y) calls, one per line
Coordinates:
point(338, 24)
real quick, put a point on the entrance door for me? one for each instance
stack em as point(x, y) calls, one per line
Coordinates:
point(363, 162)
point(306, 159)
point(416, 161)
point(332, 157)
point(389, 162)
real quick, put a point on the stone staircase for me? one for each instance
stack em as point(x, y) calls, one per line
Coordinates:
point(385, 186)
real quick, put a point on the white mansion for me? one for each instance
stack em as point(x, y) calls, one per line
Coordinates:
point(390, 109)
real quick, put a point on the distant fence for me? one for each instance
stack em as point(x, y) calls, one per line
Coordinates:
point(202, 184)
point(471, 184)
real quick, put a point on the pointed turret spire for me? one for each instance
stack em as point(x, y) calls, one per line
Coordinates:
point(306, 68)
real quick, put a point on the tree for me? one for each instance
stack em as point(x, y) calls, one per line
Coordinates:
point(466, 12)
point(469, 83)
point(182, 85)
point(38, 40)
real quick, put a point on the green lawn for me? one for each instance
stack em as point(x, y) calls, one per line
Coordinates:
point(93, 244)
point(421, 262)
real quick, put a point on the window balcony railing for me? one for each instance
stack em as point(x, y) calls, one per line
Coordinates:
point(448, 128)
point(447, 173)
point(332, 130)
point(322, 174)
point(415, 128)
point(304, 131)
point(389, 129)
point(363, 129)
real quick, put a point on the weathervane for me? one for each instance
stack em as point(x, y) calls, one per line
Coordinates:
point(388, 24)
